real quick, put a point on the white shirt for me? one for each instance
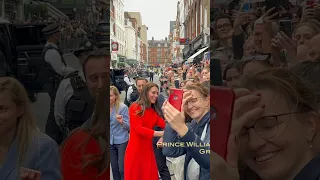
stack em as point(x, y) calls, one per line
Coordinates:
point(64, 93)
point(127, 80)
point(53, 57)
point(130, 90)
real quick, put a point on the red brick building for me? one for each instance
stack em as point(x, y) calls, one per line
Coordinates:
point(193, 18)
point(159, 52)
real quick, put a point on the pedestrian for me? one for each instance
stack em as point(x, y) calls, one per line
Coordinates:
point(196, 104)
point(151, 75)
point(56, 69)
point(85, 153)
point(23, 145)
point(134, 91)
point(160, 158)
point(144, 116)
point(74, 104)
point(119, 131)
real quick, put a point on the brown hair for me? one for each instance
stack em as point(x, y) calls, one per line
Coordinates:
point(99, 131)
point(201, 88)
point(294, 88)
point(238, 65)
point(144, 101)
point(141, 79)
point(311, 23)
point(308, 70)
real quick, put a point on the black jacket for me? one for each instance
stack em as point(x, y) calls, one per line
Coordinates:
point(310, 171)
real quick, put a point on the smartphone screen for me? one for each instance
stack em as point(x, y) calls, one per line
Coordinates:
point(246, 7)
point(215, 72)
point(175, 98)
point(286, 27)
point(221, 108)
point(273, 3)
point(177, 83)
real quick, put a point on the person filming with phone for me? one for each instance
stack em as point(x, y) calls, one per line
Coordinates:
point(194, 137)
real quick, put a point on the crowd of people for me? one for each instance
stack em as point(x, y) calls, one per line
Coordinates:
point(270, 58)
point(28, 154)
point(145, 123)
point(70, 29)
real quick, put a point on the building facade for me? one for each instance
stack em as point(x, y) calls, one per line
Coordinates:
point(131, 50)
point(142, 34)
point(117, 31)
point(159, 52)
point(196, 29)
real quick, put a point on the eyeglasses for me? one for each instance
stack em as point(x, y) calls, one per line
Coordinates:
point(223, 26)
point(266, 127)
point(193, 101)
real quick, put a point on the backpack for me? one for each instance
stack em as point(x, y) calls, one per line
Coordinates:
point(133, 96)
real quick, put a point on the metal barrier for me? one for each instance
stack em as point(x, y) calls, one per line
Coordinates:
point(70, 44)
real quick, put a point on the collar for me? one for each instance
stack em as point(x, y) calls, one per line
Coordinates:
point(310, 171)
point(204, 120)
point(51, 44)
point(11, 160)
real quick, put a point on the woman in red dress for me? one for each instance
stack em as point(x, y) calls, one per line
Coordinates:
point(85, 153)
point(140, 162)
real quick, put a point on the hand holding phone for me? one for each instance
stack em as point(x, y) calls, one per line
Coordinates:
point(286, 27)
point(176, 98)
point(221, 100)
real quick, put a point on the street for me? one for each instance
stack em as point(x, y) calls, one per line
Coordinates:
point(40, 108)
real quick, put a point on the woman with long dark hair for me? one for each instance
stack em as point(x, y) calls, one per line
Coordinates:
point(140, 162)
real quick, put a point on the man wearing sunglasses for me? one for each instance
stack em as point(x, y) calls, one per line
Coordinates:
point(74, 104)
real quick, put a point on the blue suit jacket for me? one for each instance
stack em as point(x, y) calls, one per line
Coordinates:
point(42, 155)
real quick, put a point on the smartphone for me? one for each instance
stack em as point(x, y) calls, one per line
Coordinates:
point(221, 108)
point(175, 98)
point(246, 7)
point(215, 72)
point(286, 27)
point(273, 4)
point(177, 83)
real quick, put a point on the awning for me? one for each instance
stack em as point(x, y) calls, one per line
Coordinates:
point(190, 59)
point(52, 11)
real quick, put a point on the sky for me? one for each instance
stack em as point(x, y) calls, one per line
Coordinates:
point(156, 15)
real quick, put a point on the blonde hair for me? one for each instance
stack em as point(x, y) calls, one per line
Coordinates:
point(26, 125)
point(117, 94)
point(311, 23)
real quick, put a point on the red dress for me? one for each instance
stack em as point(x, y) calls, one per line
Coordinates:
point(140, 162)
point(71, 158)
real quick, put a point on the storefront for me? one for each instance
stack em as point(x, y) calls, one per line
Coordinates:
point(121, 62)
point(186, 51)
point(198, 48)
point(114, 59)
